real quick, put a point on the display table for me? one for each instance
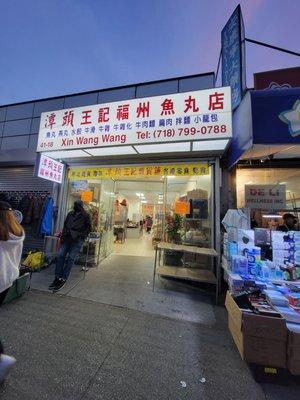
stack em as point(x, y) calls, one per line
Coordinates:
point(184, 272)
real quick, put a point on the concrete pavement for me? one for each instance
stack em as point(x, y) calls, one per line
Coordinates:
point(74, 349)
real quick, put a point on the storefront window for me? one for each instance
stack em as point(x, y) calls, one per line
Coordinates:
point(195, 193)
point(98, 196)
point(269, 193)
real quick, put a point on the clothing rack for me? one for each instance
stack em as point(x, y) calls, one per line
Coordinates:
point(32, 241)
point(18, 194)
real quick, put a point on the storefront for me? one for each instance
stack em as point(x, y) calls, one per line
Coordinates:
point(261, 262)
point(154, 157)
point(264, 156)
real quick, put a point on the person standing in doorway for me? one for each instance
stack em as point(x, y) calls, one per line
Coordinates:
point(76, 228)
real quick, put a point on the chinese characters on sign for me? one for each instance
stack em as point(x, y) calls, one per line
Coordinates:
point(199, 115)
point(233, 71)
point(50, 169)
point(139, 171)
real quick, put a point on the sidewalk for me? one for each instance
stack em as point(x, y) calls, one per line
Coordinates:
point(126, 281)
point(74, 349)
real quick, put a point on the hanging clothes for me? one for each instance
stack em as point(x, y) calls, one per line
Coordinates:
point(24, 204)
point(47, 219)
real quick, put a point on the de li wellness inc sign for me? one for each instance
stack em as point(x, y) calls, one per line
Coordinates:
point(265, 197)
point(197, 115)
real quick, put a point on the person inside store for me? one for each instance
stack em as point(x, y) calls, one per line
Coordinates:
point(289, 223)
point(76, 228)
point(149, 223)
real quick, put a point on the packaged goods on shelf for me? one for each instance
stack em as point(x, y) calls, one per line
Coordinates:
point(245, 240)
point(289, 314)
point(294, 300)
point(277, 298)
point(197, 194)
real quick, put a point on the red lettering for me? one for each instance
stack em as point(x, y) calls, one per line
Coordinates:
point(86, 117)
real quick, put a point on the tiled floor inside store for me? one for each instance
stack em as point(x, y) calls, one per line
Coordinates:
point(136, 247)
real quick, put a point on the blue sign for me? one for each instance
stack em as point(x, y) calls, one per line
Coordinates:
point(265, 117)
point(276, 116)
point(233, 60)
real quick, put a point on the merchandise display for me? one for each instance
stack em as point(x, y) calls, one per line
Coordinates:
point(262, 268)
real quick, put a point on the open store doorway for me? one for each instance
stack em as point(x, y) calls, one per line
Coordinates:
point(138, 216)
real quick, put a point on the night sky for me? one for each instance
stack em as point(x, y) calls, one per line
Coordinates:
point(56, 47)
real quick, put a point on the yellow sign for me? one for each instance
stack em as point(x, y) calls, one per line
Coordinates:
point(182, 208)
point(146, 171)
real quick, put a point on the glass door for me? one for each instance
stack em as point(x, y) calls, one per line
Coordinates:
point(105, 216)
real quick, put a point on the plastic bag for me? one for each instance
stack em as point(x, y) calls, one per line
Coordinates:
point(34, 259)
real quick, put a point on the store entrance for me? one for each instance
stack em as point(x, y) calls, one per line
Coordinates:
point(131, 212)
point(138, 216)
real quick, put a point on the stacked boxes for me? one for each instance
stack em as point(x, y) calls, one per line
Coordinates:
point(283, 247)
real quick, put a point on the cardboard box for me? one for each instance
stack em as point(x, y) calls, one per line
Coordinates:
point(264, 327)
point(264, 351)
point(259, 339)
point(293, 349)
point(293, 366)
point(237, 335)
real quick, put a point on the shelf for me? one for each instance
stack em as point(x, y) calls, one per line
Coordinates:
point(196, 219)
point(191, 274)
point(188, 249)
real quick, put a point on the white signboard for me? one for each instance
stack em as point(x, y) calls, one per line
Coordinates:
point(198, 115)
point(265, 197)
point(50, 169)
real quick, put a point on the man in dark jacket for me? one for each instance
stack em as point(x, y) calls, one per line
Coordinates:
point(76, 228)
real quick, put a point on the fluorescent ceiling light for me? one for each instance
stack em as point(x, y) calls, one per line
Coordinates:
point(160, 202)
point(272, 216)
point(282, 183)
point(171, 177)
point(210, 145)
point(249, 183)
point(163, 148)
point(111, 151)
point(66, 154)
point(144, 201)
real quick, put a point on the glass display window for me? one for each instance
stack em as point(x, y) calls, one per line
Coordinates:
point(281, 183)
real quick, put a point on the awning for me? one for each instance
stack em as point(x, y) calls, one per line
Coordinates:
point(267, 122)
point(206, 148)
